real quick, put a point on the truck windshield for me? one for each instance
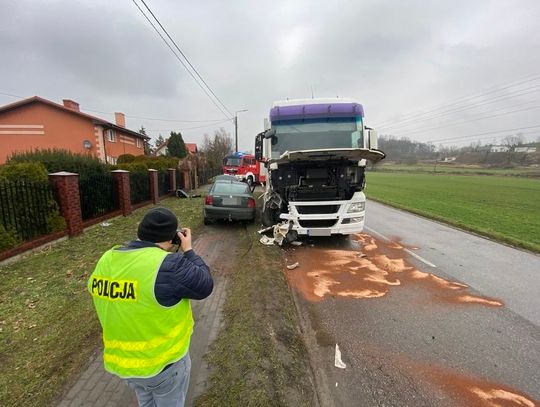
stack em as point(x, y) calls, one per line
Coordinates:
point(232, 161)
point(323, 133)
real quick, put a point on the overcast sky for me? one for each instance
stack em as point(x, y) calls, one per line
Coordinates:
point(398, 58)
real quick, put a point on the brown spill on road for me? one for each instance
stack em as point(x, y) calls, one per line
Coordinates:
point(370, 274)
point(470, 391)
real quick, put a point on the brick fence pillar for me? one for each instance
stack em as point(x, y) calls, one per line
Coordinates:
point(66, 186)
point(172, 179)
point(123, 190)
point(153, 180)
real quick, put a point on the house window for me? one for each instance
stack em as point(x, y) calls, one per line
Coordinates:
point(138, 142)
point(110, 135)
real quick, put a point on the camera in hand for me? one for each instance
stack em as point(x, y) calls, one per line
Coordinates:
point(176, 239)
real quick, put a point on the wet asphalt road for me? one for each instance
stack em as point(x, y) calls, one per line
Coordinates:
point(424, 315)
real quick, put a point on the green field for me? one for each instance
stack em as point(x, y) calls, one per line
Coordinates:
point(444, 168)
point(503, 208)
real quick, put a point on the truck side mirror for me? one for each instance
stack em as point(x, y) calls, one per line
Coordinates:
point(270, 133)
point(372, 138)
point(259, 138)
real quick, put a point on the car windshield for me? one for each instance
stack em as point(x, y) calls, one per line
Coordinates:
point(233, 161)
point(322, 133)
point(234, 188)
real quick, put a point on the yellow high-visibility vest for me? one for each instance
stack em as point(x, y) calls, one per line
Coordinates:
point(140, 336)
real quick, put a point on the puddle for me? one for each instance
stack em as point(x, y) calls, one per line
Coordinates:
point(349, 274)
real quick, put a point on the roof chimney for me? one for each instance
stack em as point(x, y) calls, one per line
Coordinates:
point(70, 104)
point(120, 119)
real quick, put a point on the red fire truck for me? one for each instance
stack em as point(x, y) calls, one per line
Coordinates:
point(245, 168)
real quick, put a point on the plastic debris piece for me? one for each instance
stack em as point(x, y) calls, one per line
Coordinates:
point(296, 243)
point(180, 193)
point(280, 232)
point(265, 229)
point(105, 224)
point(337, 360)
point(293, 266)
point(267, 241)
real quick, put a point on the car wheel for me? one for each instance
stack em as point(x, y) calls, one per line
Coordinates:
point(206, 221)
point(251, 183)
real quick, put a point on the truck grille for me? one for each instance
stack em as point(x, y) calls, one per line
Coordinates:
point(309, 210)
point(317, 223)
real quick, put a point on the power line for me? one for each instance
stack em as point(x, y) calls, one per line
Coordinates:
point(485, 138)
point(13, 96)
point(482, 134)
point(186, 58)
point(423, 130)
point(191, 128)
point(181, 61)
point(465, 107)
point(490, 90)
point(160, 119)
point(136, 117)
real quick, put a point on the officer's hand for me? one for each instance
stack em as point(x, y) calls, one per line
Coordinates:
point(185, 239)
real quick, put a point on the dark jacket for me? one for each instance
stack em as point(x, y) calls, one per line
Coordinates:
point(180, 276)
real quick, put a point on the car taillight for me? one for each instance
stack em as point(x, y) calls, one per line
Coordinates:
point(208, 200)
point(251, 203)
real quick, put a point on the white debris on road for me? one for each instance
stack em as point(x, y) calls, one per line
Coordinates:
point(337, 360)
point(293, 266)
point(269, 228)
point(280, 232)
point(267, 241)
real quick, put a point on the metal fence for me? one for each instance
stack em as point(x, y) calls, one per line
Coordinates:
point(98, 195)
point(163, 182)
point(140, 186)
point(26, 208)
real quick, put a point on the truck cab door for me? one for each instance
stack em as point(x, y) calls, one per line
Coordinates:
point(259, 139)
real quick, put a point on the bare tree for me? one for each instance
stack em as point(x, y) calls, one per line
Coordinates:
point(216, 148)
point(511, 142)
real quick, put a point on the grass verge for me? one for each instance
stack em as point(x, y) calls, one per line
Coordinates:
point(48, 326)
point(259, 359)
point(503, 208)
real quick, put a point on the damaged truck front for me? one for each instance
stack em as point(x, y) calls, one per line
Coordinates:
point(315, 151)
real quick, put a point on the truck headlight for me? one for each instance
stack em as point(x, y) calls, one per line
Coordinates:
point(356, 207)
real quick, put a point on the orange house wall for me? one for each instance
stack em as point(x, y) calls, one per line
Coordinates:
point(118, 147)
point(61, 129)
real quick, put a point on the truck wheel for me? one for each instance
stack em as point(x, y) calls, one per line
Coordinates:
point(268, 217)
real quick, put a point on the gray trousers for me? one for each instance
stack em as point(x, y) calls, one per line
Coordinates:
point(166, 389)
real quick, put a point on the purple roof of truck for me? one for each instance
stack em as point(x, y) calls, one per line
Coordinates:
point(316, 110)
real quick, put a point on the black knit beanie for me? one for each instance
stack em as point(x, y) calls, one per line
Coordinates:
point(158, 225)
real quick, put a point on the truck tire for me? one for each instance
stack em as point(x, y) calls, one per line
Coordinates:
point(269, 217)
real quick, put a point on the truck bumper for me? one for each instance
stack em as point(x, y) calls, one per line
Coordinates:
point(325, 218)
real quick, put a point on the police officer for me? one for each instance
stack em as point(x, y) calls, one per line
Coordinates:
point(142, 294)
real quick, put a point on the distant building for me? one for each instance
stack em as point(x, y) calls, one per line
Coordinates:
point(499, 149)
point(163, 150)
point(526, 150)
point(37, 123)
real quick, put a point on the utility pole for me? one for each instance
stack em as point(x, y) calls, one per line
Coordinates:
point(235, 134)
point(236, 129)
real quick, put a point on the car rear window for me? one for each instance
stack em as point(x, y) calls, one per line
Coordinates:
point(232, 188)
